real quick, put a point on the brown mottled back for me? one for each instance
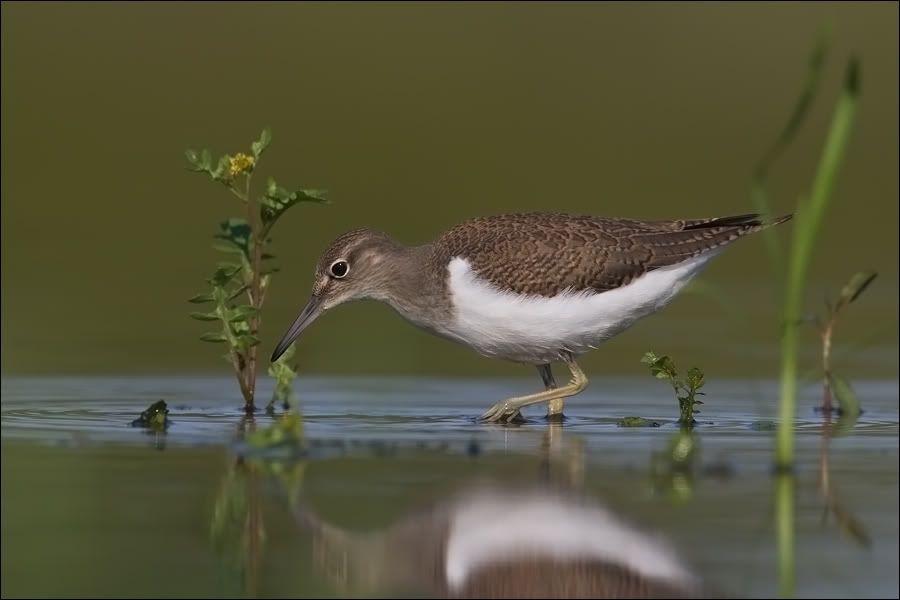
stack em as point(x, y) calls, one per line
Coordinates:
point(577, 578)
point(547, 253)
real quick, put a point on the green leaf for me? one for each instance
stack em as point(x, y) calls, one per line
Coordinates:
point(286, 355)
point(228, 266)
point(238, 292)
point(229, 248)
point(277, 200)
point(272, 188)
point(661, 367)
point(695, 379)
point(223, 274)
point(204, 316)
point(201, 299)
point(853, 288)
point(262, 143)
point(242, 312)
point(221, 168)
point(206, 160)
point(194, 159)
point(844, 425)
point(636, 422)
point(214, 337)
point(247, 340)
point(236, 231)
point(284, 375)
point(649, 358)
point(844, 394)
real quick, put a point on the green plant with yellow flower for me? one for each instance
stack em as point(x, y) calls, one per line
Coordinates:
point(239, 283)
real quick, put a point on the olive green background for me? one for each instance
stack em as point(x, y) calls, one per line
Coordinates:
point(416, 116)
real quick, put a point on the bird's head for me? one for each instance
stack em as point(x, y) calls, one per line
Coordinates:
point(354, 267)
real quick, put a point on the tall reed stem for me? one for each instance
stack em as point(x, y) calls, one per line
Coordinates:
point(806, 226)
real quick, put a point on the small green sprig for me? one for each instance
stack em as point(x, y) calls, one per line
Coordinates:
point(663, 367)
point(284, 375)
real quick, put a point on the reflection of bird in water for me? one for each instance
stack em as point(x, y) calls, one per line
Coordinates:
point(491, 542)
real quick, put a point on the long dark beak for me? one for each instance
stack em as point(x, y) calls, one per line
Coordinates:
point(313, 309)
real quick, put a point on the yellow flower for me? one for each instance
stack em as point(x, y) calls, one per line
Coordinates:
point(240, 163)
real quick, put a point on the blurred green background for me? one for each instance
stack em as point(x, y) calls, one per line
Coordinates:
point(414, 117)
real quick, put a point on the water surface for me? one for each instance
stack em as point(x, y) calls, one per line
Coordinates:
point(92, 506)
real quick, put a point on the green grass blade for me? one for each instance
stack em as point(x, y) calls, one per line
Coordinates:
point(784, 519)
point(806, 226)
point(805, 100)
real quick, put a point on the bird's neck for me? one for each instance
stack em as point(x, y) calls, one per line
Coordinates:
point(415, 288)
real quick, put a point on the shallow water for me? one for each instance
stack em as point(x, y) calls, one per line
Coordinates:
point(94, 507)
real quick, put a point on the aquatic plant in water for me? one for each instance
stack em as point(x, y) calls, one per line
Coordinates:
point(673, 468)
point(247, 271)
point(155, 417)
point(834, 384)
point(686, 390)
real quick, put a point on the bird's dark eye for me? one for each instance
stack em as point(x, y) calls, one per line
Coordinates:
point(340, 268)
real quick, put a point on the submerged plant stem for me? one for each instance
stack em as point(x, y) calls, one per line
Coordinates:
point(784, 515)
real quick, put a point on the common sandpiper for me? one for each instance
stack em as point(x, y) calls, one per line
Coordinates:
point(532, 288)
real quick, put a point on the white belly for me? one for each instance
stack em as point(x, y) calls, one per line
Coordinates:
point(534, 329)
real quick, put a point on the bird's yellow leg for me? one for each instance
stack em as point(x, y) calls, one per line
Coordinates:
point(555, 406)
point(504, 410)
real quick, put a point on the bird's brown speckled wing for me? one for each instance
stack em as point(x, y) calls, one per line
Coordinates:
point(572, 578)
point(547, 253)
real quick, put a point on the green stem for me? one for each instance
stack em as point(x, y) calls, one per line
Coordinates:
point(247, 375)
point(806, 227)
point(242, 197)
point(254, 293)
point(245, 391)
point(826, 364)
point(235, 357)
point(784, 515)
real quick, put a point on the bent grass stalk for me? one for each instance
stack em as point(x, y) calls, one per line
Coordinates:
point(834, 384)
